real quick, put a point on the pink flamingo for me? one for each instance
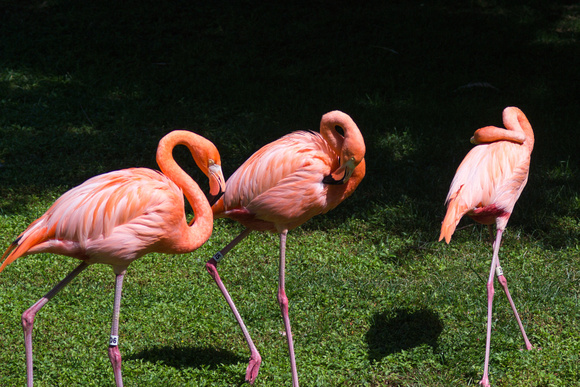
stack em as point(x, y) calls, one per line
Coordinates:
point(281, 186)
point(120, 216)
point(486, 187)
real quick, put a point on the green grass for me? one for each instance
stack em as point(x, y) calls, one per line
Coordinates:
point(89, 87)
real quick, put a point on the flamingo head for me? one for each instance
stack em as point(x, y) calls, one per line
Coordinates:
point(350, 146)
point(209, 162)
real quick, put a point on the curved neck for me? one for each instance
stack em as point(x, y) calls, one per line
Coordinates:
point(332, 137)
point(515, 119)
point(517, 129)
point(352, 136)
point(490, 134)
point(200, 230)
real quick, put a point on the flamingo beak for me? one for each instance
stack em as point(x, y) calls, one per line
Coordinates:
point(217, 184)
point(341, 175)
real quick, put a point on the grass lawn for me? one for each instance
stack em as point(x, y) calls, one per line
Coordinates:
point(375, 300)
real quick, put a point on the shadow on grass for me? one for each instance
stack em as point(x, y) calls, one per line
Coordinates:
point(186, 357)
point(402, 329)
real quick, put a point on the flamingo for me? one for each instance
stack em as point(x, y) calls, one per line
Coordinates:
point(117, 217)
point(486, 186)
point(280, 187)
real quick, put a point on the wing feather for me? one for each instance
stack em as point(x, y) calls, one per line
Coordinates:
point(490, 174)
point(276, 186)
point(275, 162)
point(95, 208)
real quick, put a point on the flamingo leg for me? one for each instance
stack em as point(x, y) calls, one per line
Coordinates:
point(30, 313)
point(503, 281)
point(211, 266)
point(113, 350)
point(497, 269)
point(490, 292)
point(283, 301)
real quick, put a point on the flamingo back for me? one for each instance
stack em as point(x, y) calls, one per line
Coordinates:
point(281, 184)
point(491, 177)
point(110, 216)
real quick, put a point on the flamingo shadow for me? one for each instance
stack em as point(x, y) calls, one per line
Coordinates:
point(188, 357)
point(402, 329)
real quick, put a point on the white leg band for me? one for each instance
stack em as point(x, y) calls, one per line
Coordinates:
point(498, 271)
point(113, 341)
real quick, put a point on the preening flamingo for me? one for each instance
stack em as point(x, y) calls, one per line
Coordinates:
point(120, 216)
point(486, 186)
point(281, 186)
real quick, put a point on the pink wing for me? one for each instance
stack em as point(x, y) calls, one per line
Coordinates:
point(282, 182)
point(117, 215)
point(491, 175)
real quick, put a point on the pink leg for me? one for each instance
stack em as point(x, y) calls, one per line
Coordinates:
point(490, 292)
point(30, 313)
point(283, 301)
point(502, 280)
point(496, 268)
point(211, 266)
point(113, 350)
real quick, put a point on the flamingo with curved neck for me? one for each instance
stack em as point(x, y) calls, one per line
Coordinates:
point(283, 185)
point(116, 218)
point(486, 186)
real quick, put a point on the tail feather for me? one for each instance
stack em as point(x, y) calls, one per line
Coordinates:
point(455, 211)
point(448, 225)
point(21, 245)
point(7, 254)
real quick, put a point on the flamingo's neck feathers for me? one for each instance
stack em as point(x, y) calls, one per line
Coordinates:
point(201, 228)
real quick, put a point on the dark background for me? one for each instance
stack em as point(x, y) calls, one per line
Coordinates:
point(88, 87)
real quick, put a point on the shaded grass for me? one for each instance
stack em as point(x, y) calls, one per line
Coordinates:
point(86, 88)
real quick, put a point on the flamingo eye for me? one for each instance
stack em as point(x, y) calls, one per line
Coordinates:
point(210, 162)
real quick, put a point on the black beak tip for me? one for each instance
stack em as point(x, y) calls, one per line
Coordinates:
point(212, 199)
point(330, 180)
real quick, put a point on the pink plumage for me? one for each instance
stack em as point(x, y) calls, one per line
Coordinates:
point(112, 218)
point(281, 186)
point(486, 186)
point(117, 217)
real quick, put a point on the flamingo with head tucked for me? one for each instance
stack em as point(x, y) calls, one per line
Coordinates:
point(281, 186)
point(486, 186)
point(120, 216)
